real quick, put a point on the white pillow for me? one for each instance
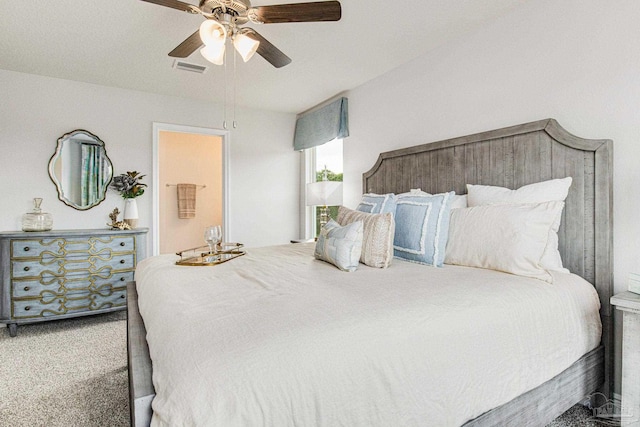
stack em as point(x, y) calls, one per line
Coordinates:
point(509, 238)
point(545, 191)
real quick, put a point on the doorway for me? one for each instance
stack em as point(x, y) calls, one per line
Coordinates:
point(188, 155)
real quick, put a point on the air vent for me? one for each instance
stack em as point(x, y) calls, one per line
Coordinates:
point(187, 66)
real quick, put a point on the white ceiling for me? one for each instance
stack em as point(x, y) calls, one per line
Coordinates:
point(124, 43)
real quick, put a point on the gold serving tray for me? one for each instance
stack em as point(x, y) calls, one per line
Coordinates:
point(201, 256)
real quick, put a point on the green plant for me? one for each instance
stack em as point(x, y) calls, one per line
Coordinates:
point(129, 185)
point(331, 176)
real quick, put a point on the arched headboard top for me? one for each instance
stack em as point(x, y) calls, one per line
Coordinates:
point(512, 157)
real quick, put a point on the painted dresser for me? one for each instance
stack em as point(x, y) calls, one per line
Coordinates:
point(66, 273)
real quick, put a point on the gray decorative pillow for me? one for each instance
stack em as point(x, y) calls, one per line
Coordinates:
point(379, 229)
point(340, 246)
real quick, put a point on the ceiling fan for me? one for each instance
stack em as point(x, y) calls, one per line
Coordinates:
point(224, 20)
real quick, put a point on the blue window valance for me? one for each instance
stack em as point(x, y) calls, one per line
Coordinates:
point(322, 125)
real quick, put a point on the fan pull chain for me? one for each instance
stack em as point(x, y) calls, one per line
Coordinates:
point(224, 102)
point(235, 98)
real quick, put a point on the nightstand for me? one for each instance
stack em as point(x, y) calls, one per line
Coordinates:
point(629, 304)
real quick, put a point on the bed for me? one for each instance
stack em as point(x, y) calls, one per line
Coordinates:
point(352, 322)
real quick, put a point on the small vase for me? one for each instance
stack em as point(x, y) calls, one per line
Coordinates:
point(37, 220)
point(131, 212)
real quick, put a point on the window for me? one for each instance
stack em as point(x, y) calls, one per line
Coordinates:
point(326, 158)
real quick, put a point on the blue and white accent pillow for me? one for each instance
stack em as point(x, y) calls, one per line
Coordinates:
point(340, 246)
point(378, 203)
point(422, 227)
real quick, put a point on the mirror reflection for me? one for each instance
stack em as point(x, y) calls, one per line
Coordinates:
point(80, 169)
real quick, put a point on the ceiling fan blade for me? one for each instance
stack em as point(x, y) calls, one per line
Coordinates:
point(297, 12)
point(188, 46)
point(175, 4)
point(268, 51)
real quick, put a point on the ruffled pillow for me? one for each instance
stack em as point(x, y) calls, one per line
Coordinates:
point(378, 203)
point(422, 227)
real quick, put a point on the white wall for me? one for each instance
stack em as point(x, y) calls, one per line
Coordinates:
point(35, 111)
point(572, 60)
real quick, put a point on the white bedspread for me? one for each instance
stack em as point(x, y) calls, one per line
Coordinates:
point(276, 338)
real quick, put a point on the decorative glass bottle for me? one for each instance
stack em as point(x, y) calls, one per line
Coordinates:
point(37, 220)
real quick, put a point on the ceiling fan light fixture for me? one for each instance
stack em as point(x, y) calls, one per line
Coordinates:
point(212, 33)
point(225, 19)
point(214, 53)
point(245, 45)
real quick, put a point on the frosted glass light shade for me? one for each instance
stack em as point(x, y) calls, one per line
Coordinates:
point(212, 33)
point(324, 193)
point(214, 53)
point(245, 45)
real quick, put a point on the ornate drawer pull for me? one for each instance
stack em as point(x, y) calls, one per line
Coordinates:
point(26, 248)
point(26, 288)
point(121, 296)
point(26, 269)
point(122, 261)
point(27, 308)
point(122, 279)
point(122, 243)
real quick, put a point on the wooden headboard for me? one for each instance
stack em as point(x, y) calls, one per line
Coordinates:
point(513, 157)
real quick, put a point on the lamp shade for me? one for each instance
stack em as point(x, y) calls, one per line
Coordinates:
point(212, 33)
point(245, 45)
point(214, 36)
point(213, 53)
point(324, 193)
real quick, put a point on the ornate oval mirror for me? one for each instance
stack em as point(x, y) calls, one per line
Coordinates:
point(80, 169)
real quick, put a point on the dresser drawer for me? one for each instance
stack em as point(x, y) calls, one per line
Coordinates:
point(72, 284)
point(117, 298)
point(71, 247)
point(48, 270)
point(68, 304)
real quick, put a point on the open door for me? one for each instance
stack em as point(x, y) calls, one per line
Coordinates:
point(187, 155)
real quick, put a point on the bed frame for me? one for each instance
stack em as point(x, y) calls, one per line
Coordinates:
point(509, 157)
point(513, 157)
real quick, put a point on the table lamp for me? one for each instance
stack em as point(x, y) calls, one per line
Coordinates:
point(323, 194)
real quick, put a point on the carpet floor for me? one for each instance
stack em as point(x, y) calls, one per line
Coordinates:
point(74, 373)
point(66, 373)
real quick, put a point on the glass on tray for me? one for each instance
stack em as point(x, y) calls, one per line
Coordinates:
point(205, 255)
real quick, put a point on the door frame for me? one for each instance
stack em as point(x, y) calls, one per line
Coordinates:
point(226, 140)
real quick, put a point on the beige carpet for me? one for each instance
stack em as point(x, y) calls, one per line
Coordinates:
point(74, 373)
point(65, 373)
